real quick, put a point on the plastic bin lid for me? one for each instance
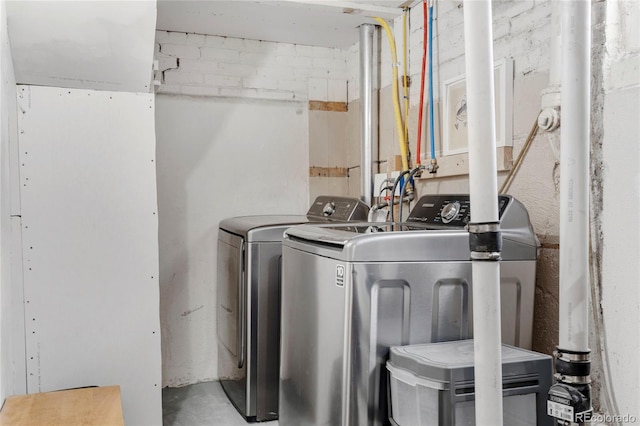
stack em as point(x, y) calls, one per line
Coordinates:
point(440, 361)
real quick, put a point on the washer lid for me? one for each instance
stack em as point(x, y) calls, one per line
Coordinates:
point(377, 242)
point(268, 228)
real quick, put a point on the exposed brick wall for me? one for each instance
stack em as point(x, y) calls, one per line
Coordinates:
point(196, 64)
point(521, 30)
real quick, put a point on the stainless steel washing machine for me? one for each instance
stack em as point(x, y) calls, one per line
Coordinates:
point(351, 291)
point(248, 301)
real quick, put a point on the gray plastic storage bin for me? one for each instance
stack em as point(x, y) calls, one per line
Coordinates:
point(433, 384)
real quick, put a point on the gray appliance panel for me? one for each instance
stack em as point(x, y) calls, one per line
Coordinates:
point(326, 208)
point(380, 305)
point(249, 313)
point(248, 287)
point(312, 341)
point(340, 242)
point(230, 277)
point(261, 228)
point(425, 237)
point(263, 327)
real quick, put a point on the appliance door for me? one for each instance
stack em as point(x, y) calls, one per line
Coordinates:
point(314, 294)
point(231, 319)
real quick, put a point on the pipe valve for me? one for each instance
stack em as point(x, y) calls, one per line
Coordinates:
point(569, 399)
point(569, 405)
point(549, 119)
point(433, 166)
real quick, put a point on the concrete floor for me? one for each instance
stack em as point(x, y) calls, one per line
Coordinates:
point(201, 404)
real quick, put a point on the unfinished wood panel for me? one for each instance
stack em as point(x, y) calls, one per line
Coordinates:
point(97, 406)
point(327, 106)
point(456, 165)
point(328, 171)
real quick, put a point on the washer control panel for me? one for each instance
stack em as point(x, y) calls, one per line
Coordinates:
point(342, 209)
point(329, 209)
point(448, 210)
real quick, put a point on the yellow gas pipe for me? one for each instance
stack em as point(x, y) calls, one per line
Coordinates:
point(396, 100)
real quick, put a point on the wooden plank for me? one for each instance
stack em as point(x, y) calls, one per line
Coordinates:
point(458, 164)
point(88, 406)
point(395, 163)
point(327, 106)
point(327, 171)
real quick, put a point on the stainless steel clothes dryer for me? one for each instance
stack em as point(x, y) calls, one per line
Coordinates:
point(351, 291)
point(248, 301)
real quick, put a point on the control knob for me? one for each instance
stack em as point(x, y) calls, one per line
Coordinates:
point(450, 211)
point(329, 208)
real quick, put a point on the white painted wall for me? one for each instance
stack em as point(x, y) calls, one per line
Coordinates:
point(621, 202)
point(621, 239)
point(9, 384)
point(217, 158)
point(90, 248)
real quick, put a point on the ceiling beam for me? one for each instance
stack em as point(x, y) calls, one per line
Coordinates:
point(350, 7)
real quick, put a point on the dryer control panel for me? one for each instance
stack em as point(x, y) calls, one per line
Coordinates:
point(448, 210)
point(340, 209)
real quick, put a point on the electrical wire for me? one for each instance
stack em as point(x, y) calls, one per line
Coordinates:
point(382, 199)
point(382, 187)
point(518, 162)
point(386, 188)
point(607, 397)
point(404, 187)
point(393, 192)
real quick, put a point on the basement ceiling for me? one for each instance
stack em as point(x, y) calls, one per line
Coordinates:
point(327, 23)
point(108, 45)
point(103, 45)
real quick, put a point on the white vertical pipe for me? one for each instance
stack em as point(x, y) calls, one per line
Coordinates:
point(483, 186)
point(574, 172)
point(483, 182)
point(487, 345)
point(367, 121)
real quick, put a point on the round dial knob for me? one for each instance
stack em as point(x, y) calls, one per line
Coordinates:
point(329, 208)
point(450, 211)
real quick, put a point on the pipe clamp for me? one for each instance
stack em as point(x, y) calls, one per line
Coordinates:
point(572, 367)
point(492, 256)
point(485, 241)
point(479, 228)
